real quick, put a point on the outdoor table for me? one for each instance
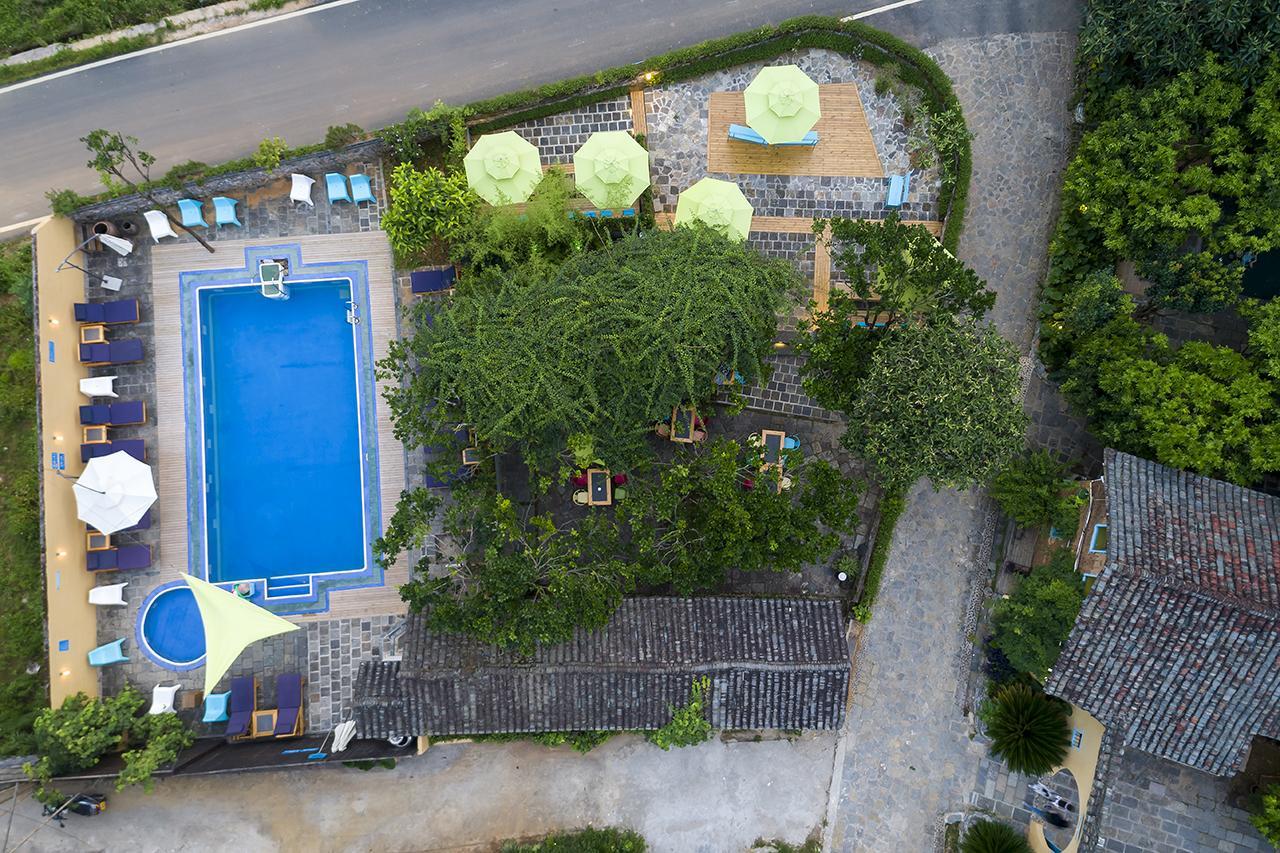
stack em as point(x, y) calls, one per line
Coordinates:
point(95, 541)
point(599, 487)
point(470, 456)
point(94, 333)
point(772, 441)
point(682, 424)
point(264, 723)
point(94, 435)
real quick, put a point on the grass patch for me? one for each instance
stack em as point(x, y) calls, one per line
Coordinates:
point(27, 24)
point(589, 840)
point(70, 58)
point(22, 694)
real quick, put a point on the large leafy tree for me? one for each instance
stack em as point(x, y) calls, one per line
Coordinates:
point(428, 209)
point(940, 400)
point(1034, 489)
point(1028, 729)
point(1031, 625)
point(598, 349)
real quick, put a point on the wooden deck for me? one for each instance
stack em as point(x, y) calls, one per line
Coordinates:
point(845, 147)
point(167, 262)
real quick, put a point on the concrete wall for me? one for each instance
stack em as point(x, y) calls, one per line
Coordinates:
point(1082, 763)
point(71, 618)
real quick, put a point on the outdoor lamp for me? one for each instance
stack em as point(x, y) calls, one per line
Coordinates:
point(119, 245)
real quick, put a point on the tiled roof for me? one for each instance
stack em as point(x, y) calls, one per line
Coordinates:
point(1179, 641)
point(773, 663)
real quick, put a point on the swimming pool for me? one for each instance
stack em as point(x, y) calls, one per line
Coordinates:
point(170, 630)
point(282, 435)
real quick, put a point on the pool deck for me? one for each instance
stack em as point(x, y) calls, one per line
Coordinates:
point(167, 263)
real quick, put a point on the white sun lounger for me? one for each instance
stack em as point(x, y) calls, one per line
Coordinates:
point(162, 698)
point(301, 191)
point(111, 595)
point(159, 225)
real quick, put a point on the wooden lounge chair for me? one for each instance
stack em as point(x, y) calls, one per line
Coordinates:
point(241, 705)
point(135, 447)
point(123, 558)
point(109, 313)
point(128, 413)
point(288, 705)
point(433, 280)
point(113, 352)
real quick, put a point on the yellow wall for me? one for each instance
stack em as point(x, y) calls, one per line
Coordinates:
point(1082, 763)
point(67, 583)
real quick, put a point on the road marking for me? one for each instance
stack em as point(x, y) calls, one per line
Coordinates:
point(30, 223)
point(66, 72)
point(888, 7)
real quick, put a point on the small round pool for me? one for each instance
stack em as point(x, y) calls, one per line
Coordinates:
point(170, 630)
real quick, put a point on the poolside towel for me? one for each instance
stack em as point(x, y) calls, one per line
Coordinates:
point(434, 280)
point(288, 705)
point(115, 352)
point(158, 223)
point(110, 653)
point(300, 192)
point(336, 182)
point(192, 215)
point(241, 705)
point(135, 447)
point(742, 133)
point(128, 413)
point(119, 311)
point(224, 212)
point(361, 189)
point(124, 558)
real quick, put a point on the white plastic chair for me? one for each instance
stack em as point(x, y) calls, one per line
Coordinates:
point(301, 191)
point(158, 222)
point(111, 595)
point(162, 698)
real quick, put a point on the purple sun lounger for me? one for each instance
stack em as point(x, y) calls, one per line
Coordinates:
point(144, 523)
point(241, 705)
point(119, 311)
point(435, 280)
point(124, 557)
point(288, 705)
point(116, 352)
point(114, 414)
point(135, 447)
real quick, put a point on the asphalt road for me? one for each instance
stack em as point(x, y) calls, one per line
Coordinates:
point(370, 61)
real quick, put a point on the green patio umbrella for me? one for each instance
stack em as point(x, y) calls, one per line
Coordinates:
point(503, 168)
point(719, 204)
point(611, 169)
point(782, 104)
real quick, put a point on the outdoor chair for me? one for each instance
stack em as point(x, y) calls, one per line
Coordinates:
point(336, 183)
point(724, 378)
point(434, 280)
point(899, 187)
point(224, 212)
point(580, 497)
point(109, 313)
point(158, 223)
point(361, 189)
point(742, 133)
point(135, 447)
point(98, 386)
point(162, 696)
point(301, 190)
point(144, 523)
point(619, 495)
point(123, 558)
point(110, 653)
point(111, 595)
point(192, 213)
point(117, 352)
point(129, 413)
point(241, 704)
point(215, 707)
point(791, 443)
point(288, 705)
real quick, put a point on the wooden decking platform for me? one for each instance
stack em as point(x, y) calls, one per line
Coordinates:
point(167, 262)
point(845, 147)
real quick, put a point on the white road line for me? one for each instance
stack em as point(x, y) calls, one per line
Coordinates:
point(30, 223)
point(179, 43)
point(888, 7)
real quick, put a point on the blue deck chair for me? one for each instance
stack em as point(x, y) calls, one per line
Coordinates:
point(791, 443)
point(215, 707)
point(899, 188)
point(108, 654)
point(336, 183)
point(192, 215)
point(224, 212)
point(742, 133)
point(361, 189)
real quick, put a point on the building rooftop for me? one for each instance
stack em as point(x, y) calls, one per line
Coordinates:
point(776, 663)
point(1179, 642)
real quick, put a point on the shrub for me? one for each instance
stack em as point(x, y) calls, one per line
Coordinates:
point(1028, 729)
point(270, 151)
point(1034, 489)
point(341, 135)
point(989, 836)
point(1031, 625)
point(74, 736)
point(427, 209)
point(1266, 816)
point(892, 505)
point(582, 841)
point(162, 737)
point(689, 725)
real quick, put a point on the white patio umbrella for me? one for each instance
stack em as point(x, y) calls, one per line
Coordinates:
point(114, 492)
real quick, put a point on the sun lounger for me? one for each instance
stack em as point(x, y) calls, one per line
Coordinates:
point(241, 704)
point(158, 223)
point(192, 215)
point(301, 190)
point(336, 182)
point(435, 280)
point(288, 705)
point(115, 352)
point(361, 189)
point(135, 447)
point(111, 595)
point(899, 188)
point(224, 212)
point(742, 133)
point(144, 523)
point(162, 696)
point(215, 707)
point(129, 413)
point(108, 654)
point(123, 558)
point(118, 311)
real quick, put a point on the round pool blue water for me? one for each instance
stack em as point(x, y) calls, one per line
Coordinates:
point(172, 631)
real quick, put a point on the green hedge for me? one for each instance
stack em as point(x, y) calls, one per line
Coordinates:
point(853, 39)
point(892, 505)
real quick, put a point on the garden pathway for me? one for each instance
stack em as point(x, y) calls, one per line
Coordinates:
point(907, 754)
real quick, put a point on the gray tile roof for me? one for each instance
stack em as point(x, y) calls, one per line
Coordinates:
point(773, 663)
point(1179, 641)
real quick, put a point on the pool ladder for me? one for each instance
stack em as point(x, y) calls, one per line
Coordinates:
point(353, 313)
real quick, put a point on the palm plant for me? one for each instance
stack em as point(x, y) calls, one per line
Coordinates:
point(1027, 729)
point(989, 836)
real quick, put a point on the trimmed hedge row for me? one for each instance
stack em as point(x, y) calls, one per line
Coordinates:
point(856, 40)
point(892, 505)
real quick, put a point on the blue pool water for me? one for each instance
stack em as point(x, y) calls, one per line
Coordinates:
point(171, 627)
point(281, 433)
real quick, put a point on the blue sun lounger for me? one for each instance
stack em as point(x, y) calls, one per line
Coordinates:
point(336, 184)
point(742, 133)
point(108, 654)
point(192, 214)
point(118, 311)
point(115, 352)
point(899, 188)
point(224, 212)
point(361, 189)
point(129, 413)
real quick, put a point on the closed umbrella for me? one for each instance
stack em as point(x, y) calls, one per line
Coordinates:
point(718, 204)
point(611, 169)
point(782, 104)
point(503, 168)
point(114, 492)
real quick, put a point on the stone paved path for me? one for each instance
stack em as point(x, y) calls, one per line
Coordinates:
point(908, 756)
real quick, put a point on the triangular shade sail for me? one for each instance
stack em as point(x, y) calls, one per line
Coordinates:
point(230, 624)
